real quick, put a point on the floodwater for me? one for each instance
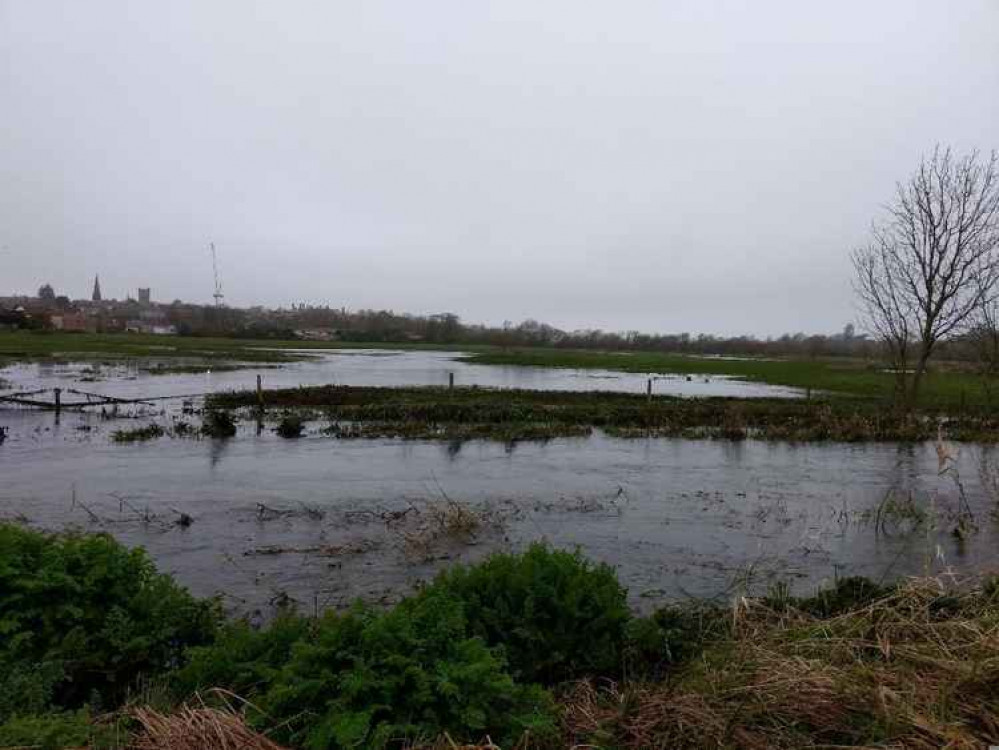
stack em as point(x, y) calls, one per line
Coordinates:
point(371, 367)
point(324, 521)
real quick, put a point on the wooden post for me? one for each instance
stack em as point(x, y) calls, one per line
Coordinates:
point(648, 389)
point(450, 381)
point(260, 392)
point(58, 399)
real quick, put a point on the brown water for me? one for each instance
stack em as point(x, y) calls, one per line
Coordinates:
point(312, 519)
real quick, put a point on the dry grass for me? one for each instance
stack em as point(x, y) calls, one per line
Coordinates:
point(445, 742)
point(915, 669)
point(918, 669)
point(197, 729)
point(440, 524)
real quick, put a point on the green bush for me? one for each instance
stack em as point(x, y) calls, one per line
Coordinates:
point(26, 687)
point(368, 678)
point(48, 732)
point(671, 636)
point(82, 616)
point(243, 659)
point(555, 615)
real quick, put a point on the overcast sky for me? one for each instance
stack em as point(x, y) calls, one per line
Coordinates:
point(667, 165)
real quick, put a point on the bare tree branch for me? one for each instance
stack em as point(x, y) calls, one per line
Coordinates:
point(932, 265)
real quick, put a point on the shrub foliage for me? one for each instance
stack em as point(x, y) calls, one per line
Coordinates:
point(555, 615)
point(81, 615)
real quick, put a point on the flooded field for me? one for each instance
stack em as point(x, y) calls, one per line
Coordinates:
point(323, 521)
point(363, 367)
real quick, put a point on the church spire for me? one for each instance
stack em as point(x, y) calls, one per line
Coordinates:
point(97, 289)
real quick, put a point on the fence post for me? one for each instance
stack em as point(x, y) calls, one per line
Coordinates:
point(648, 389)
point(260, 392)
point(58, 399)
point(450, 381)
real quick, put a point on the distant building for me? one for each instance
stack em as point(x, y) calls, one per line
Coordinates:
point(144, 296)
point(97, 289)
point(69, 321)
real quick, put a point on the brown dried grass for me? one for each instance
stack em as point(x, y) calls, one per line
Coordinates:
point(918, 669)
point(199, 728)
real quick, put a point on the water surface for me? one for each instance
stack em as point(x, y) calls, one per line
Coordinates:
point(325, 521)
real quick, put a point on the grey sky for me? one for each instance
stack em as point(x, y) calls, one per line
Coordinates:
point(702, 166)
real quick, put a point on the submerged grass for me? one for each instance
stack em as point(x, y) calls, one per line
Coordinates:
point(947, 386)
point(463, 413)
point(139, 434)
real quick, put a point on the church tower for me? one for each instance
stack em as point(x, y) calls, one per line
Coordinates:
point(97, 289)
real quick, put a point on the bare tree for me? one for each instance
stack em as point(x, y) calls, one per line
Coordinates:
point(933, 261)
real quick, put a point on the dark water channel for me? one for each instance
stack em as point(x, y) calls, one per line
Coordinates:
point(324, 521)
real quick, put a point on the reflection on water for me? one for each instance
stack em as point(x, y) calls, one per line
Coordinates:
point(372, 367)
point(313, 517)
point(675, 517)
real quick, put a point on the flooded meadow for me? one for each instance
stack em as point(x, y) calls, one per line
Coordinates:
point(320, 521)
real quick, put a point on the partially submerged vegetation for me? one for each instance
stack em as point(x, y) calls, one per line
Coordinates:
point(463, 413)
point(945, 387)
point(291, 426)
point(536, 650)
point(139, 434)
point(218, 423)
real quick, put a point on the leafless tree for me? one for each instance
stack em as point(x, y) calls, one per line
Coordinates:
point(933, 262)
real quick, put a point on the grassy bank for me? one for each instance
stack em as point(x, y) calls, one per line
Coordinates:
point(945, 387)
point(516, 414)
point(26, 345)
point(534, 650)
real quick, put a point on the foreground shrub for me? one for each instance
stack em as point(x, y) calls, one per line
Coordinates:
point(672, 636)
point(81, 615)
point(554, 614)
point(368, 678)
point(48, 732)
point(243, 659)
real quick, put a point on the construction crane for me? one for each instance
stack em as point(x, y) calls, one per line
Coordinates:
point(218, 282)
